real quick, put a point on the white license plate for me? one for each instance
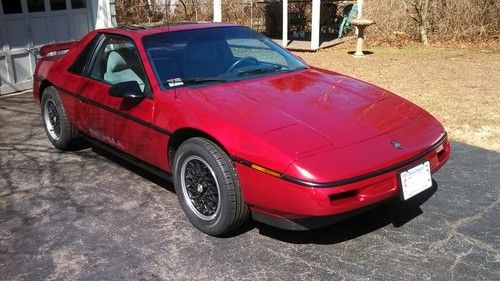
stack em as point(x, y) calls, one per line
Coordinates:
point(416, 180)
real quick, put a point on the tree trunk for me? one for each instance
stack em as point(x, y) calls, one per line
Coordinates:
point(419, 12)
point(424, 23)
point(423, 35)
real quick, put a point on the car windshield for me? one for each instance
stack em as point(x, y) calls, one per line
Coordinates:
point(215, 55)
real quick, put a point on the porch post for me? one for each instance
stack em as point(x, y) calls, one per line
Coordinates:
point(284, 36)
point(217, 11)
point(173, 6)
point(316, 6)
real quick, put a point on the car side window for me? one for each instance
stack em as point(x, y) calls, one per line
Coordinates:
point(81, 63)
point(117, 61)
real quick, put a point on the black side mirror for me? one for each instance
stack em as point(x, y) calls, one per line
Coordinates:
point(128, 90)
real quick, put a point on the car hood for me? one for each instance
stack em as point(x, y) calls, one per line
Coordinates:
point(341, 109)
point(294, 115)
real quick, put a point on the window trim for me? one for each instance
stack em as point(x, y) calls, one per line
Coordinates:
point(148, 92)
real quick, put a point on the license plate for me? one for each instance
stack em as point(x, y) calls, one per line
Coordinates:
point(415, 180)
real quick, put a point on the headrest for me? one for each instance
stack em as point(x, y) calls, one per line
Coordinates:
point(116, 62)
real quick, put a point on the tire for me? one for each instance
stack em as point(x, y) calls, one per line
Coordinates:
point(201, 169)
point(55, 121)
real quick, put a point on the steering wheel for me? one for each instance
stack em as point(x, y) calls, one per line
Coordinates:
point(237, 64)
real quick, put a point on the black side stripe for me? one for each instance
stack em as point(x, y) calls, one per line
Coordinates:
point(115, 111)
point(356, 178)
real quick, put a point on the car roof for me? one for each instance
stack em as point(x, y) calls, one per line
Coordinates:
point(139, 31)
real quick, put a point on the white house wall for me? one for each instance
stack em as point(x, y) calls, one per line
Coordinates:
point(101, 10)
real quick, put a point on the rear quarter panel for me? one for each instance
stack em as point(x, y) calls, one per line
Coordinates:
point(53, 71)
point(41, 72)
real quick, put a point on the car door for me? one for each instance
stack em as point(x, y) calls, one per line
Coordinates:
point(123, 123)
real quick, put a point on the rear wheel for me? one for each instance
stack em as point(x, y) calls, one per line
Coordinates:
point(56, 123)
point(208, 188)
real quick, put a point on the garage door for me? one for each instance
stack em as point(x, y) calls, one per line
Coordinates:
point(26, 25)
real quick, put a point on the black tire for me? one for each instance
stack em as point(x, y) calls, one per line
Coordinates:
point(201, 162)
point(55, 121)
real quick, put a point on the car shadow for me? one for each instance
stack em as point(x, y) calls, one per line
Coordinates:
point(152, 177)
point(393, 212)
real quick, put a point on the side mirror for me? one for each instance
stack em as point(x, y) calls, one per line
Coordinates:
point(128, 90)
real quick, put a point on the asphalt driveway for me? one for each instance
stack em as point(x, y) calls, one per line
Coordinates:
point(87, 215)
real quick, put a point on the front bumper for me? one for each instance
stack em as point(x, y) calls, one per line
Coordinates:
point(290, 205)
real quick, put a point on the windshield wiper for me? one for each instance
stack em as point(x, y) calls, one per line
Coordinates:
point(200, 80)
point(261, 69)
point(194, 80)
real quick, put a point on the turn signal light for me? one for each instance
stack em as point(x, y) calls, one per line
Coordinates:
point(267, 171)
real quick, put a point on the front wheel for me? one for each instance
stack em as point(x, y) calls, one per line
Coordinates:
point(208, 188)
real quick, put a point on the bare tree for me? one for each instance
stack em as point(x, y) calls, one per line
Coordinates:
point(191, 8)
point(418, 10)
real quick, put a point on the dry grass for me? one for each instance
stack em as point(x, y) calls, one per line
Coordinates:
point(461, 87)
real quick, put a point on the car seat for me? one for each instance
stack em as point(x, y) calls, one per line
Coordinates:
point(117, 71)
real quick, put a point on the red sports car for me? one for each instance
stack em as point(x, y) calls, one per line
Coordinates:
point(243, 127)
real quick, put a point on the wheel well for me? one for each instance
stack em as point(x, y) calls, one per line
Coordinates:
point(43, 86)
point(182, 135)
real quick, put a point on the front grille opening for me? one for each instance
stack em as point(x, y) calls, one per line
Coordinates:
point(343, 195)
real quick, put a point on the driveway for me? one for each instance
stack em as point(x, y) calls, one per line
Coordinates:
point(87, 215)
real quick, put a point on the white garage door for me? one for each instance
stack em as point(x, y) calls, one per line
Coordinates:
point(26, 25)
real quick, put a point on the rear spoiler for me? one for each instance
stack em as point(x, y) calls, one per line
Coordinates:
point(45, 50)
